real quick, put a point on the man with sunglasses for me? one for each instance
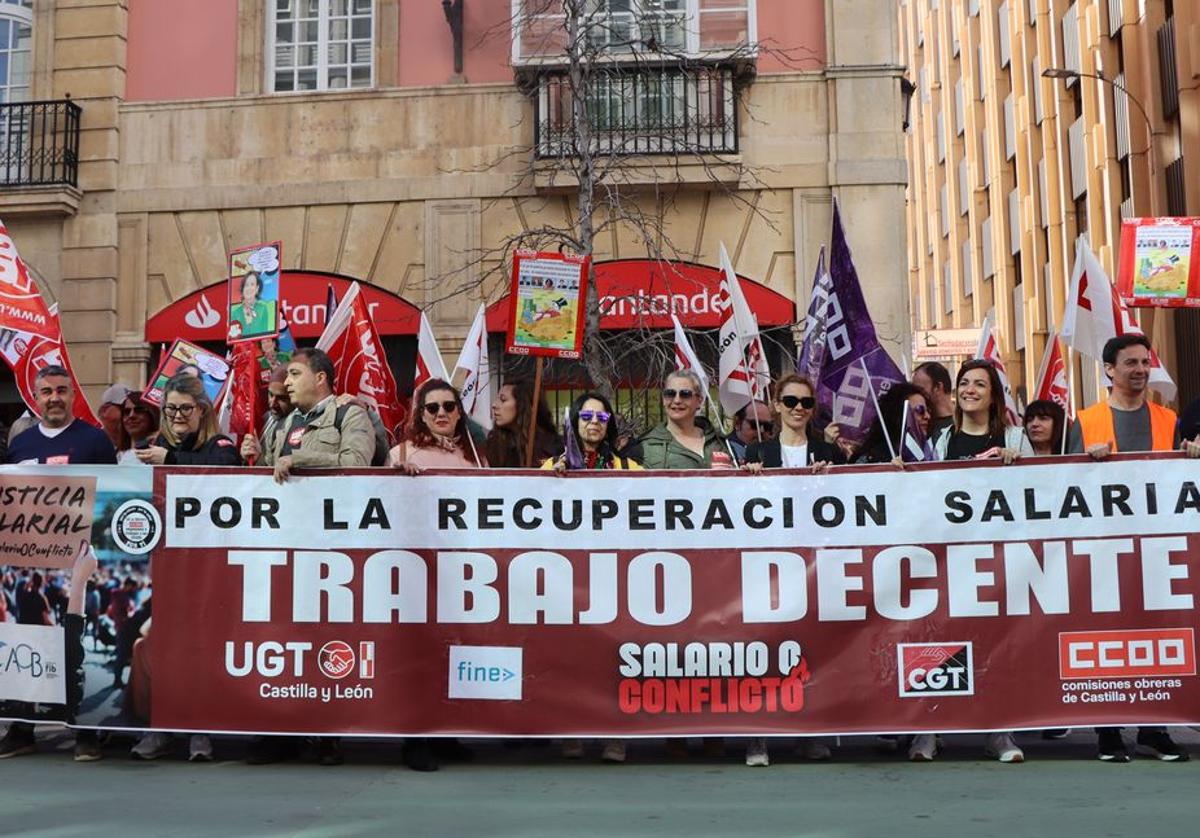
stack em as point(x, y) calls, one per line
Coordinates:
point(753, 423)
point(318, 433)
point(58, 439)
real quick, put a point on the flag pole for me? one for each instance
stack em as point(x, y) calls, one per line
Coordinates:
point(721, 424)
point(903, 427)
point(1067, 421)
point(537, 397)
point(879, 413)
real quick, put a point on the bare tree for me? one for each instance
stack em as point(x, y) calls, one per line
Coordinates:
point(621, 108)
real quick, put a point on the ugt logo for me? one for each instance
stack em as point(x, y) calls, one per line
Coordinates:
point(935, 669)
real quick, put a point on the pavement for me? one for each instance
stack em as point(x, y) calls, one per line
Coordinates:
point(1061, 790)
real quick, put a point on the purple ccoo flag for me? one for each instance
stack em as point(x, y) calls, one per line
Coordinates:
point(812, 350)
point(853, 364)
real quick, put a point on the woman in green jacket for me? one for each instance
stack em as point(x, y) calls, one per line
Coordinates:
point(680, 442)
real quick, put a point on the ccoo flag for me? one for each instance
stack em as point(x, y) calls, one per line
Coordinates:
point(854, 364)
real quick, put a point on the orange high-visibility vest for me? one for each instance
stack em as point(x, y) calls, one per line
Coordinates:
point(1096, 422)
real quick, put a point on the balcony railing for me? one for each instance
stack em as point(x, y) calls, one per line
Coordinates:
point(39, 143)
point(640, 111)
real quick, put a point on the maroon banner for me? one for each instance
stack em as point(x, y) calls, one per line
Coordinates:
point(1043, 595)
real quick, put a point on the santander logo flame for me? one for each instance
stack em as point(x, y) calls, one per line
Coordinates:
point(203, 316)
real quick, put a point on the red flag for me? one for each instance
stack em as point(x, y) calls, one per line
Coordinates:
point(26, 353)
point(247, 398)
point(22, 308)
point(989, 350)
point(1052, 377)
point(353, 345)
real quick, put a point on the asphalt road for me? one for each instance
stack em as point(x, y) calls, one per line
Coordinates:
point(1060, 791)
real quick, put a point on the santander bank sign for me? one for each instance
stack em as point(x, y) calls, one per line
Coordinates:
point(200, 316)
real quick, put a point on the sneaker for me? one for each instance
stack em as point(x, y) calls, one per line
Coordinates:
point(813, 750)
point(1111, 745)
point(1158, 744)
point(153, 746)
point(200, 748)
point(887, 744)
point(87, 746)
point(1001, 747)
point(572, 748)
point(756, 753)
point(614, 751)
point(17, 742)
point(329, 751)
point(923, 748)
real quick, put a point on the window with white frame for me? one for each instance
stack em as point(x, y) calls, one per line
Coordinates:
point(320, 44)
point(672, 27)
point(16, 41)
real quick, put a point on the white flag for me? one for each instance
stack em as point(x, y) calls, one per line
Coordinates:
point(743, 372)
point(1095, 314)
point(989, 350)
point(685, 356)
point(476, 372)
point(429, 359)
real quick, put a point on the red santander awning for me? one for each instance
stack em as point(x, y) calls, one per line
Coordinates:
point(642, 293)
point(201, 315)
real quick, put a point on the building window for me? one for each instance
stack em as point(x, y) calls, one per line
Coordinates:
point(16, 39)
point(320, 44)
point(672, 27)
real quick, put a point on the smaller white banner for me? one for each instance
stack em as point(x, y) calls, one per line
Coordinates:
point(489, 672)
point(32, 664)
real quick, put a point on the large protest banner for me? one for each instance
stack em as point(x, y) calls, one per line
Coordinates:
point(951, 597)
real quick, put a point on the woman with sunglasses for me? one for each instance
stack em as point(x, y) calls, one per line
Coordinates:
point(189, 436)
point(139, 421)
point(680, 442)
point(512, 413)
point(594, 426)
point(876, 448)
point(594, 447)
point(437, 434)
point(981, 428)
point(794, 446)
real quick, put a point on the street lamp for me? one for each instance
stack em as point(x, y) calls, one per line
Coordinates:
point(1070, 75)
point(453, 9)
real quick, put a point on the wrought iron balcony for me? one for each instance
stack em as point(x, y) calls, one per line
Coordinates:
point(639, 111)
point(39, 143)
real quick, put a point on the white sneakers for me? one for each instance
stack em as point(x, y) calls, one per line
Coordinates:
point(200, 748)
point(1000, 746)
point(153, 746)
point(614, 750)
point(756, 753)
point(923, 748)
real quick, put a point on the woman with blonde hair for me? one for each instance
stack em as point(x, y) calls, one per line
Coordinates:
point(189, 434)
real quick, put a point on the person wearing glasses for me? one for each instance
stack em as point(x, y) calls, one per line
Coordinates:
point(876, 447)
point(140, 421)
point(189, 435)
point(593, 425)
point(681, 442)
point(795, 446)
point(437, 435)
point(752, 423)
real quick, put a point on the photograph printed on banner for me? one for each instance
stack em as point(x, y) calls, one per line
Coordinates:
point(55, 665)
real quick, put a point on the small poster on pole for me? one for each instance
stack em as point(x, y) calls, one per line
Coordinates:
point(546, 302)
point(184, 357)
point(254, 292)
point(1159, 263)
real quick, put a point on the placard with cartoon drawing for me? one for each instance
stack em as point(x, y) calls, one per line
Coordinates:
point(254, 292)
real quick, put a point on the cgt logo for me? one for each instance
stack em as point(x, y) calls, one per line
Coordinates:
point(1130, 653)
point(935, 669)
point(485, 672)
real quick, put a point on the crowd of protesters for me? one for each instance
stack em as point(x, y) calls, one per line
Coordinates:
point(310, 426)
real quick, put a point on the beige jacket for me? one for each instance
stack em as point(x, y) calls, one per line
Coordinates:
point(324, 445)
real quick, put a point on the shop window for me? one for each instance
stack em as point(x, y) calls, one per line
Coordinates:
point(320, 44)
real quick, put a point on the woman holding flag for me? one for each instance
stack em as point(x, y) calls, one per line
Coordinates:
point(680, 442)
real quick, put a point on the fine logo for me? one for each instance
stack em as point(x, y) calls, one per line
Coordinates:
point(136, 527)
point(487, 672)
